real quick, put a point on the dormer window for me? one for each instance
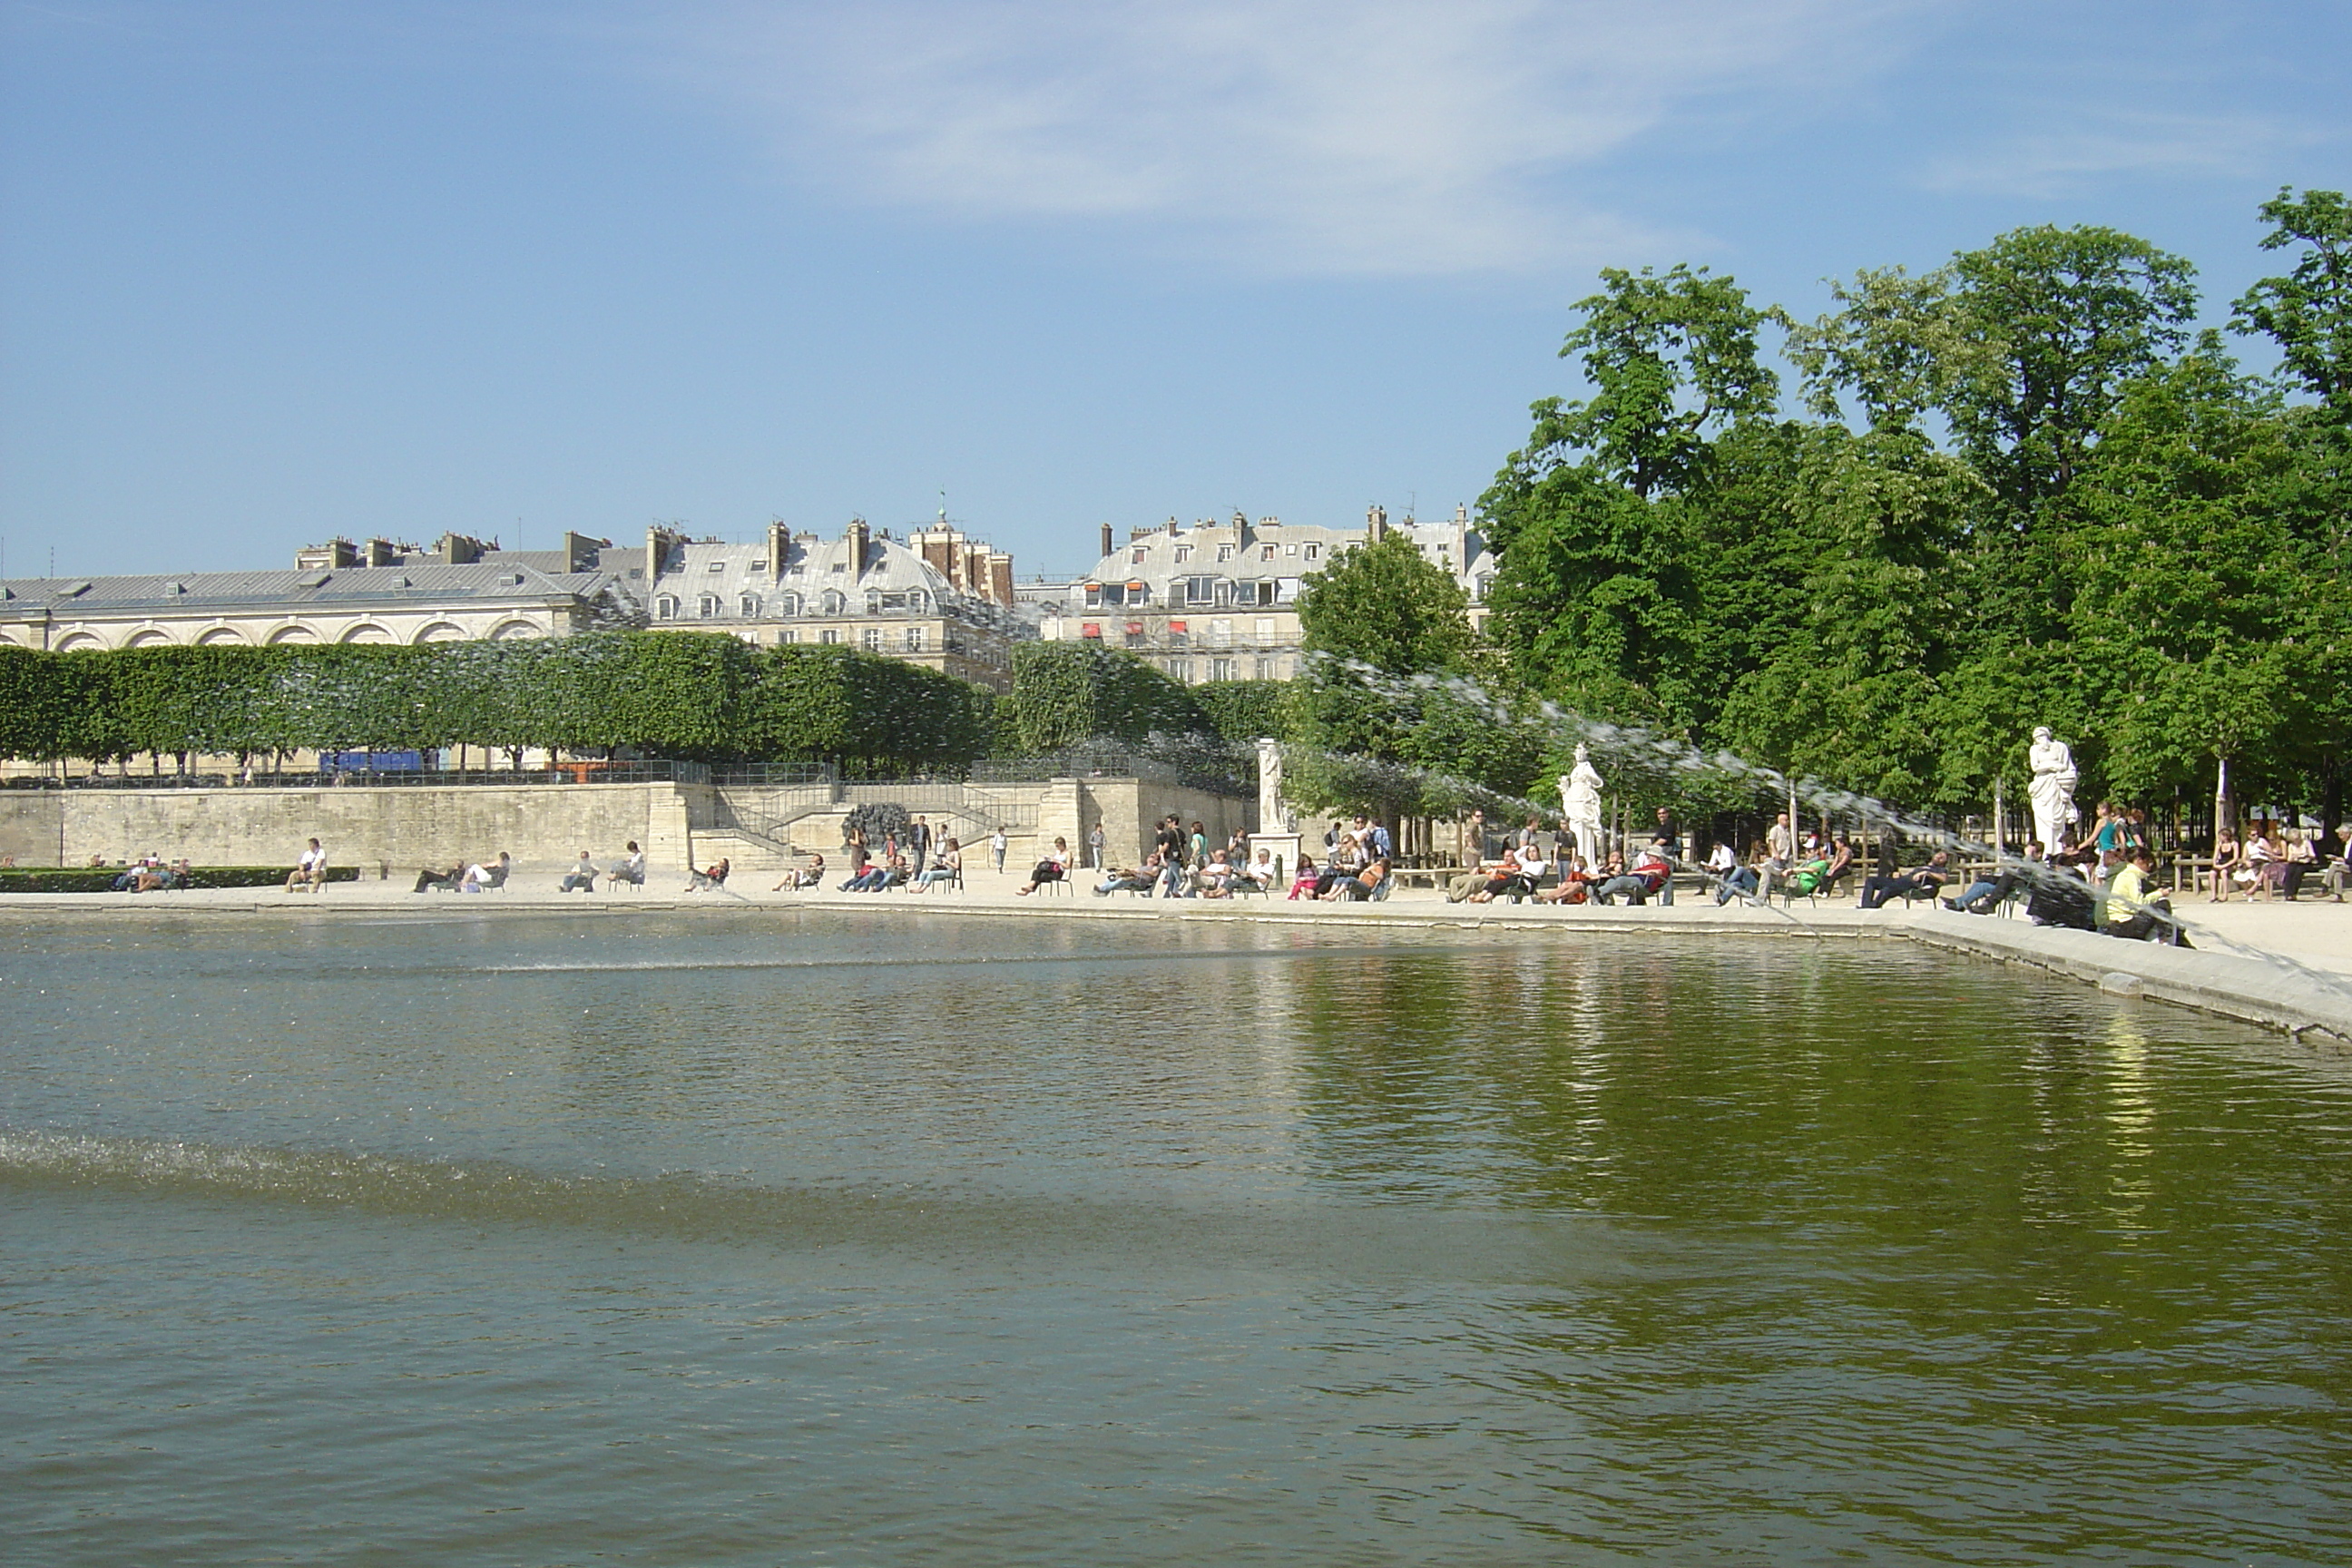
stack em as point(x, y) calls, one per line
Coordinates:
point(706, 606)
point(1135, 557)
point(1313, 551)
point(789, 605)
point(1183, 554)
point(1267, 552)
point(665, 607)
point(1224, 552)
point(748, 606)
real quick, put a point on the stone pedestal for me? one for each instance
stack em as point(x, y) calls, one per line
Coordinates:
point(1284, 846)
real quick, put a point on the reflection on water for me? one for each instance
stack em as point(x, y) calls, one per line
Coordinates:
point(813, 1237)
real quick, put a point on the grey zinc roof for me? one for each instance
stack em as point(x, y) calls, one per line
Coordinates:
point(346, 585)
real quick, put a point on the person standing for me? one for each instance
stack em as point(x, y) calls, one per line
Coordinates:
point(1096, 841)
point(1474, 838)
point(919, 842)
point(997, 845)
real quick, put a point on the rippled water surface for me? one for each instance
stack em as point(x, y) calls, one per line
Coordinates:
point(758, 1237)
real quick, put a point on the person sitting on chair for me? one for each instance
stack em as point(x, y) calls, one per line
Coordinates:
point(1131, 880)
point(711, 880)
point(1050, 870)
point(1216, 879)
point(794, 880)
point(1876, 891)
point(1363, 884)
point(581, 876)
point(631, 869)
point(1575, 883)
point(1987, 894)
point(1302, 885)
point(945, 868)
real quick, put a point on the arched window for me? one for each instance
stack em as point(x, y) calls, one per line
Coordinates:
point(789, 605)
point(665, 607)
point(707, 605)
point(834, 602)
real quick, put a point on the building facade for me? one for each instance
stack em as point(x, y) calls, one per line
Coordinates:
point(935, 598)
point(409, 597)
point(1219, 601)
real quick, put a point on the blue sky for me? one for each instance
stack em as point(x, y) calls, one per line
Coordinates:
point(270, 272)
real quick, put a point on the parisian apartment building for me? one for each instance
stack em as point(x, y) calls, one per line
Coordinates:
point(1219, 601)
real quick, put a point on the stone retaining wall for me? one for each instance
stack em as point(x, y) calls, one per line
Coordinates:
point(539, 825)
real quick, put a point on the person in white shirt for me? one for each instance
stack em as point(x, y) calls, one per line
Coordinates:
point(632, 870)
point(310, 871)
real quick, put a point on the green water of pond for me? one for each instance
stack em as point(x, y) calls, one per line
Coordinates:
point(813, 1237)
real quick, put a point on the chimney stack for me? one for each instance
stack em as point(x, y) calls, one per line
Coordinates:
point(860, 543)
point(582, 553)
point(1108, 544)
point(660, 543)
point(780, 550)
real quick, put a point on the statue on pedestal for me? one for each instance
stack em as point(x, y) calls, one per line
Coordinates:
point(1273, 811)
point(1579, 802)
point(2053, 790)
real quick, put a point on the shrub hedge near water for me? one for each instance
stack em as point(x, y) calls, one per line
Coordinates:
point(101, 879)
point(706, 697)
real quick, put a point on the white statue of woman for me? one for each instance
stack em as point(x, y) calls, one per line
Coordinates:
point(1579, 802)
point(1273, 811)
point(2053, 789)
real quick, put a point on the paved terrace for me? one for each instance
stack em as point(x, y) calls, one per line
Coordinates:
point(2240, 974)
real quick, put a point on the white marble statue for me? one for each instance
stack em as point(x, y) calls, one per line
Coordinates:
point(1273, 811)
point(2053, 790)
point(1579, 802)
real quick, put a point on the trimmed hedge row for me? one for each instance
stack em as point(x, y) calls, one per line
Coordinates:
point(707, 698)
point(101, 879)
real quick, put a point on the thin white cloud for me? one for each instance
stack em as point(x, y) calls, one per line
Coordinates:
point(1392, 136)
point(2063, 160)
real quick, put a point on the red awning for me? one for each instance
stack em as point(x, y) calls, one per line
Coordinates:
point(1092, 629)
point(1175, 626)
point(1135, 628)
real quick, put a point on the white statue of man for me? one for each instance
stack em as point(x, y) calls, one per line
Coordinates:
point(2053, 789)
point(1579, 801)
point(1273, 811)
